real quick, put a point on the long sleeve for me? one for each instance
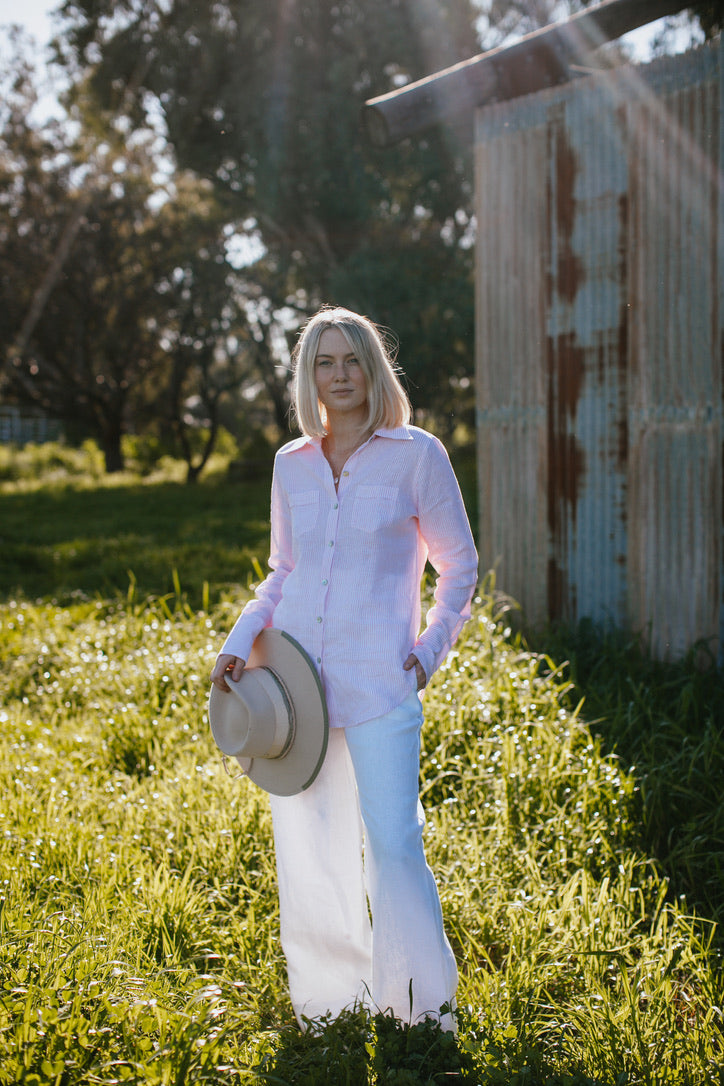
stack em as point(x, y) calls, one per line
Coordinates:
point(445, 529)
point(258, 612)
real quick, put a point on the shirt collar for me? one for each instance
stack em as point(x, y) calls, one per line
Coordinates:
point(297, 443)
point(396, 433)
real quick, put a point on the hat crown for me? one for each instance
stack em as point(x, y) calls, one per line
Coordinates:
point(259, 722)
point(274, 720)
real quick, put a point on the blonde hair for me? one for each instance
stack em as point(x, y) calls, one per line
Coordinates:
point(386, 398)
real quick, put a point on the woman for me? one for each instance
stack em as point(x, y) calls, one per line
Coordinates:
point(359, 503)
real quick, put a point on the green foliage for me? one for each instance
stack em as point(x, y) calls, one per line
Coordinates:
point(666, 722)
point(146, 453)
point(142, 453)
point(63, 536)
point(118, 304)
point(50, 463)
point(138, 910)
point(262, 98)
point(357, 1048)
point(139, 928)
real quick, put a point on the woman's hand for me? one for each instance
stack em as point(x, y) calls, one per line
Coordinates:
point(225, 664)
point(408, 665)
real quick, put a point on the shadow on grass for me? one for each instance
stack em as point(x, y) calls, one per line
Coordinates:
point(665, 722)
point(355, 1049)
point(57, 542)
point(358, 1050)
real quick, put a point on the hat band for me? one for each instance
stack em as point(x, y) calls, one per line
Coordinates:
point(286, 723)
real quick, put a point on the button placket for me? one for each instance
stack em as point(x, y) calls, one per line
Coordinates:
point(326, 574)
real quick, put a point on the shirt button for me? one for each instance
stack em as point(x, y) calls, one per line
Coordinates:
point(336, 505)
point(319, 659)
point(331, 542)
point(325, 581)
point(319, 618)
point(345, 473)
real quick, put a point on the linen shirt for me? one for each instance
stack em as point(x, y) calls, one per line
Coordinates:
point(346, 567)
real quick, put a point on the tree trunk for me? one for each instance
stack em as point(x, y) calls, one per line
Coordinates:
point(111, 442)
point(192, 473)
point(194, 469)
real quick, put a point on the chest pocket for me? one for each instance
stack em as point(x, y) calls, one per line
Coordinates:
point(304, 508)
point(374, 507)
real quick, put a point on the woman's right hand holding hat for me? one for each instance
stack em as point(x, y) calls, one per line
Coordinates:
point(224, 665)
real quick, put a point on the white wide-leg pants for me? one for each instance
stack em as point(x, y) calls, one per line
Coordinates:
point(364, 803)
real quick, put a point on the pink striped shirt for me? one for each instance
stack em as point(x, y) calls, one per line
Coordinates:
point(346, 567)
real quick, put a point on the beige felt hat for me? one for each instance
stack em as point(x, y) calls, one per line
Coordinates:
point(274, 721)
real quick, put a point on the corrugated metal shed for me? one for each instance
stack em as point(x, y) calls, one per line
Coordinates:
point(599, 354)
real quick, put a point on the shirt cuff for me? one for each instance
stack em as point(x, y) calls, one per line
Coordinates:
point(425, 659)
point(242, 637)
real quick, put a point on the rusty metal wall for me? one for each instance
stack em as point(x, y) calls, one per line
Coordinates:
point(599, 359)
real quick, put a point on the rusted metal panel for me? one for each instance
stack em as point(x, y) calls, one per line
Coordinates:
point(599, 366)
point(675, 402)
point(511, 388)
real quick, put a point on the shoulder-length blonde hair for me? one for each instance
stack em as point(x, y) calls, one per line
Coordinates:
point(386, 398)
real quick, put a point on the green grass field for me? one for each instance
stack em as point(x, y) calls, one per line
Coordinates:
point(574, 814)
point(82, 534)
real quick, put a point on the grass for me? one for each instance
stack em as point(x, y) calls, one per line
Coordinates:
point(83, 535)
point(138, 914)
point(666, 722)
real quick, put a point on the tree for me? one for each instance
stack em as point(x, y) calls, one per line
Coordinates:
point(92, 347)
point(33, 188)
point(710, 16)
point(144, 299)
point(202, 328)
point(262, 98)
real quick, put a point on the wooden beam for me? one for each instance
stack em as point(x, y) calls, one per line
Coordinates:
point(541, 59)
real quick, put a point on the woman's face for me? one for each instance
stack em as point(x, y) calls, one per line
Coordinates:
point(341, 384)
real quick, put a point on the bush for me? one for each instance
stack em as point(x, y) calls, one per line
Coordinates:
point(50, 463)
point(142, 452)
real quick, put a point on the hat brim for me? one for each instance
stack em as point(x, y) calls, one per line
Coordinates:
point(296, 770)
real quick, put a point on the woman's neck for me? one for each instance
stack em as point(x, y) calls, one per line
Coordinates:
point(345, 435)
point(339, 444)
